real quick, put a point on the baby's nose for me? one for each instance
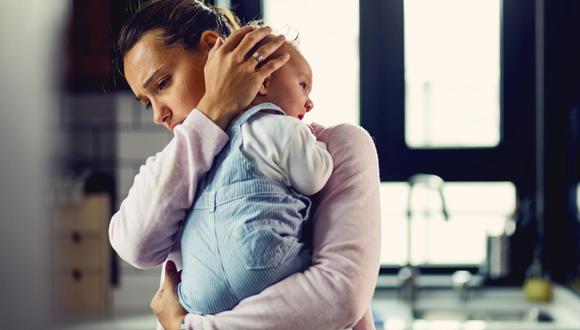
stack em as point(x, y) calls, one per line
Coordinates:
point(309, 105)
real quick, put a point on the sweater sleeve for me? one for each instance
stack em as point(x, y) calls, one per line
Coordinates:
point(145, 227)
point(335, 292)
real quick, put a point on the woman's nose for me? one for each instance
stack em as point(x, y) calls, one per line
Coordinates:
point(309, 105)
point(161, 114)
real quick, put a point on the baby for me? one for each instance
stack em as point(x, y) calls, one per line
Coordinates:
point(244, 230)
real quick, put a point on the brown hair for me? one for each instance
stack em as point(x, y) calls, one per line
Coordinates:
point(182, 22)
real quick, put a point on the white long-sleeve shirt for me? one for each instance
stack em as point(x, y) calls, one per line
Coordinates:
point(283, 148)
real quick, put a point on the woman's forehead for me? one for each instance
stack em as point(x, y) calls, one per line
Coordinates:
point(149, 52)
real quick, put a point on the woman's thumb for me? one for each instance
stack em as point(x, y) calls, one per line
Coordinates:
point(171, 274)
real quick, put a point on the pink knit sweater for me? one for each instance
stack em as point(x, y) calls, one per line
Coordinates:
point(334, 293)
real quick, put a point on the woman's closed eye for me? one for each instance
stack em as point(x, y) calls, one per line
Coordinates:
point(163, 83)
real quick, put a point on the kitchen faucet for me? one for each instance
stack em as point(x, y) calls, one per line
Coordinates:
point(408, 275)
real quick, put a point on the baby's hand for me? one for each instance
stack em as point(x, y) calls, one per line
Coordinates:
point(316, 129)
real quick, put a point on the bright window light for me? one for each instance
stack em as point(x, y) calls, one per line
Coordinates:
point(328, 38)
point(452, 73)
point(475, 209)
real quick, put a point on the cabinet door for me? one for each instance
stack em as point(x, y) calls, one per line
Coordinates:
point(80, 290)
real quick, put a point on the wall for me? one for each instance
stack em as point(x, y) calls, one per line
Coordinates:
point(30, 34)
point(112, 133)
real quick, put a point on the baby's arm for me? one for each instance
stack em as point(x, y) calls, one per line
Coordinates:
point(306, 161)
point(284, 148)
point(144, 229)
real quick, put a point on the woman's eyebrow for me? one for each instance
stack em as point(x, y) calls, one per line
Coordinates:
point(150, 78)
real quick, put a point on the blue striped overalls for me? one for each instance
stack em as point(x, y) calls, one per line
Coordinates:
point(243, 231)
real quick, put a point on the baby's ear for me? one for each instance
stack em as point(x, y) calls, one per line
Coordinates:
point(264, 88)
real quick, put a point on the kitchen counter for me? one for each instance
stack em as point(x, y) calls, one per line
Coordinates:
point(487, 308)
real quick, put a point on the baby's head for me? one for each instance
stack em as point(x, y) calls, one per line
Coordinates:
point(289, 87)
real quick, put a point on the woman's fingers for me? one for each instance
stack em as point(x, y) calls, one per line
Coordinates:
point(230, 82)
point(244, 40)
point(218, 43)
point(234, 39)
point(272, 44)
point(272, 65)
point(250, 40)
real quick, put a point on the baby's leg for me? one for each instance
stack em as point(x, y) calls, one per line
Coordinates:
point(258, 257)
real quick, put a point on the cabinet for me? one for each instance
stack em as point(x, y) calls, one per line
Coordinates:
point(81, 255)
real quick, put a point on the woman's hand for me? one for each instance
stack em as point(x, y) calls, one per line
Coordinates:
point(165, 303)
point(232, 77)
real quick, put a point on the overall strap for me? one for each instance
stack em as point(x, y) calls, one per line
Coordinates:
point(241, 119)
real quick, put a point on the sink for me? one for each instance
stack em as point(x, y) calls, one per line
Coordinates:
point(489, 308)
point(490, 315)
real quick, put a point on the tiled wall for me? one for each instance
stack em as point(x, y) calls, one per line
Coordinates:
point(136, 139)
point(87, 123)
point(112, 133)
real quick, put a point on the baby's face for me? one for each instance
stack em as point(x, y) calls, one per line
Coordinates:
point(289, 87)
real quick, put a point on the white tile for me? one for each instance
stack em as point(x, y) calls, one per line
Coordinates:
point(135, 145)
point(144, 117)
point(81, 145)
point(123, 107)
point(107, 144)
point(125, 177)
point(131, 113)
point(65, 112)
point(91, 108)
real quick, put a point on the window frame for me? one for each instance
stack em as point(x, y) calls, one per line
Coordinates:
point(382, 64)
point(383, 109)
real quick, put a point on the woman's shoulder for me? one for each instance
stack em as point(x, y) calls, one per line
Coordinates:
point(344, 134)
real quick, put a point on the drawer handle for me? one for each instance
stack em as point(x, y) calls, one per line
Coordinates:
point(77, 275)
point(76, 237)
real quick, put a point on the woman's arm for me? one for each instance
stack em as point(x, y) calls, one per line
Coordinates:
point(143, 229)
point(335, 292)
point(146, 226)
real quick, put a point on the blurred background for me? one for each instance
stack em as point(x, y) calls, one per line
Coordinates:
point(484, 94)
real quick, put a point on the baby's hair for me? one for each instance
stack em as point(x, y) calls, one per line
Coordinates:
point(291, 39)
point(285, 30)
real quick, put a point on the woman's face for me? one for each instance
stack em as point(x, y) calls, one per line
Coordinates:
point(167, 79)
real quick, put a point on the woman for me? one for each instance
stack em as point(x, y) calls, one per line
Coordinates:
point(176, 62)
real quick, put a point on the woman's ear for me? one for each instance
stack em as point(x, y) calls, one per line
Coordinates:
point(264, 88)
point(207, 39)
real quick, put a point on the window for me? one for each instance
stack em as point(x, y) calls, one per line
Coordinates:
point(328, 38)
point(475, 209)
point(452, 73)
point(426, 112)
